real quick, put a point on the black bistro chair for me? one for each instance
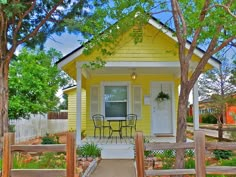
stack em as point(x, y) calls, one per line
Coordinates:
point(130, 123)
point(98, 121)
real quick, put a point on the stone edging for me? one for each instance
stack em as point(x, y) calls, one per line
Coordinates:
point(92, 166)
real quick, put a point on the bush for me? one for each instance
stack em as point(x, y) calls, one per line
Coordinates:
point(222, 154)
point(190, 119)
point(89, 150)
point(50, 139)
point(209, 118)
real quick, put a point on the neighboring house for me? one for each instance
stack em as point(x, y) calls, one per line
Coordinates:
point(113, 91)
point(205, 108)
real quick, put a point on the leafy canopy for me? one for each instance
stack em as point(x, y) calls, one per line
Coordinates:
point(34, 82)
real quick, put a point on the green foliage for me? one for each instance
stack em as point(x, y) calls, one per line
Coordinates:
point(162, 96)
point(228, 162)
point(147, 153)
point(51, 160)
point(33, 83)
point(89, 150)
point(48, 160)
point(50, 139)
point(189, 163)
point(190, 119)
point(222, 154)
point(189, 153)
point(209, 118)
point(51, 12)
point(83, 134)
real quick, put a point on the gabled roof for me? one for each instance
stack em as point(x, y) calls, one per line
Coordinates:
point(158, 25)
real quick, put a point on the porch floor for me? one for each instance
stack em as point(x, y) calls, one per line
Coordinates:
point(125, 140)
point(121, 148)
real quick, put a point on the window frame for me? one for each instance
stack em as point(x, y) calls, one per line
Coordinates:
point(127, 84)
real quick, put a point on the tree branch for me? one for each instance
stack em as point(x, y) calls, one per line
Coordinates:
point(223, 44)
point(33, 33)
point(198, 30)
point(176, 21)
point(209, 52)
point(227, 9)
point(20, 21)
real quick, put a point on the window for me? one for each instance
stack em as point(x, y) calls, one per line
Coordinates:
point(116, 101)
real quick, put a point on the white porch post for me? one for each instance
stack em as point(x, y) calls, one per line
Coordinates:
point(195, 106)
point(78, 105)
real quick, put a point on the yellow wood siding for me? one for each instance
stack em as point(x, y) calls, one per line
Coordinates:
point(144, 81)
point(72, 109)
point(156, 46)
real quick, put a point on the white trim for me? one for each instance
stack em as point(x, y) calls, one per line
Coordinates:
point(169, 33)
point(195, 106)
point(70, 58)
point(78, 105)
point(122, 83)
point(142, 64)
point(71, 88)
point(173, 106)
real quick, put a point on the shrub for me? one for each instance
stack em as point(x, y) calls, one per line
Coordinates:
point(147, 153)
point(222, 154)
point(209, 118)
point(189, 163)
point(50, 139)
point(83, 134)
point(190, 119)
point(189, 153)
point(89, 150)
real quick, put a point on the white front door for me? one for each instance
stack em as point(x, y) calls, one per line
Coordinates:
point(162, 112)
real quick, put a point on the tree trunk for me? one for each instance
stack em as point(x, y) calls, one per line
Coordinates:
point(220, 132)
point(220, 126)
point(4, 67)
point(181, 127)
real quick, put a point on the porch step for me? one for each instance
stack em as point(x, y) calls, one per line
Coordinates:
point(117, 151)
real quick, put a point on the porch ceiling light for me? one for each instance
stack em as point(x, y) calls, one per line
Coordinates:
point(133, 76)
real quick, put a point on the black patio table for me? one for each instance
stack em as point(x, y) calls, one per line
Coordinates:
point(116, 120)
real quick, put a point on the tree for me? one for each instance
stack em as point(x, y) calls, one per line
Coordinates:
point(29, 22)
point(217, 86)
point(210, 24)
point(33, 83)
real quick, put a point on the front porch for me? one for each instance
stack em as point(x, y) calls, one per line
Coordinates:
point(121, 148)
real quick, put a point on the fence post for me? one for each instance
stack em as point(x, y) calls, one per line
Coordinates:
point(8, 139)
point(200, 167)
point(139, 154)
point(70, 155)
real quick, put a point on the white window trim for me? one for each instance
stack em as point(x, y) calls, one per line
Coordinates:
point(123, 83)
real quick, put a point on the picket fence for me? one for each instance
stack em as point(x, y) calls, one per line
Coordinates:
point(37, 125)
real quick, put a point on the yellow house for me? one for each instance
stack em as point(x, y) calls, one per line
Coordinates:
point(134, 75)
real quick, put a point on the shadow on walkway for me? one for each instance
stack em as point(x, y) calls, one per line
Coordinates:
point(115, 168)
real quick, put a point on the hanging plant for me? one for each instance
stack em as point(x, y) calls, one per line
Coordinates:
point(162, 96)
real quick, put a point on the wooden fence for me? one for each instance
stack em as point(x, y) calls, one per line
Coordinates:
point(57, 115)
point(9, 148)
point(200, 147)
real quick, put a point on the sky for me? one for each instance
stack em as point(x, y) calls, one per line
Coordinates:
point(65, 43)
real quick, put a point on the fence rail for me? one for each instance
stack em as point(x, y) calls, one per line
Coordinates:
point(200, 147)
point(9, 148)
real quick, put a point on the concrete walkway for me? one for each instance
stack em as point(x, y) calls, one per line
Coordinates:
point(115, 168)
